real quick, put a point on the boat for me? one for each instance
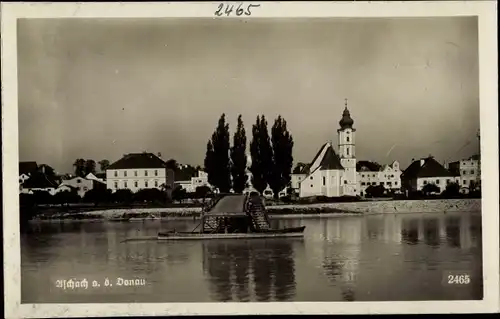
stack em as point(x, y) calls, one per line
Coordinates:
point(234, 216)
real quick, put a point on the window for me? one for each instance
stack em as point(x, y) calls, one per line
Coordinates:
point(464, 173)
point(156, 183)
point(425, 182)
point(465, 182)
point(78, 181)
point(135, 173)
point(362, 175)
point(347, 139)
point(396, 183)
point(345, 182)
point(347, 151)
point(324, 181)
point(136, 184)
point(116, 174)
point(447, 181)
point(85, 189)
point(156, 172)
point(472, 172)
point(437, 181)
point(125, 184)
point(311, 185)
point(381, 183)
point(311, 177)
point(145, 183)
point(116, 184)
point(125, 173)
point(362, 183)
point(373, 175)
point(389, 183)
point(145, 173)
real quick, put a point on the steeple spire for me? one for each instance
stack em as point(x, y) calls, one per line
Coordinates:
point(346, 121)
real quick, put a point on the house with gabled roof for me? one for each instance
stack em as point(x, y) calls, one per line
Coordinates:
point(427, 171)
point(136, 171)
point(39, 181)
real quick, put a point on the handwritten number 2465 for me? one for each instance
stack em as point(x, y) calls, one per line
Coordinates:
point(239, 10)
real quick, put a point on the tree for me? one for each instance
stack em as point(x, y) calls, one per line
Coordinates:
point(209, 163)
point(202, 191)
point(47, 170)
point(90, 167)
point(282, 144)
point(452, 190)
point(122, 196)
point(430, 188)
point(375, 191)
point(262, 156)
point(103, 165)
point(66, 197)
point(219, 169)
point(298, 168)
point(79, 166)
point(239, 158)
point(172, 164)
point(98, 195)
point(179, 194)
point(149, 195)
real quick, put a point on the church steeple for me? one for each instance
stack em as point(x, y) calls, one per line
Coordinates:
point(346, 121)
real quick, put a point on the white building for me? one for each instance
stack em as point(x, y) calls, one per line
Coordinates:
point(138, 171)
point(469, 170)
point(190, 185)
point(427, 171)
point(329, 174)
point(81, 184)
point(39, 182)
point(373, 174)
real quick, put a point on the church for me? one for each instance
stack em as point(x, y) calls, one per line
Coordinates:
point(332, 174)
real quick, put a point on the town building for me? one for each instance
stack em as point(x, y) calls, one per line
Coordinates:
point(374, 174)
point(469, 171)
point(329, 174)
point(39, 181)
point(26, 169)
point(82, 185)
point(138, 171)
point(427, 171)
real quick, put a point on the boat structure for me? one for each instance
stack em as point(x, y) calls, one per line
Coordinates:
point(234, 216)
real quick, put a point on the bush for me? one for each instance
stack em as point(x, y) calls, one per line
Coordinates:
point(67, 197)
point(452, 191)
point(122, 196)
point(150, 195)
point(375, 191)
point(98, 195)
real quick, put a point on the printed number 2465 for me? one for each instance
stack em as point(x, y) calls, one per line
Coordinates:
point(238, 11)
point(458, 279)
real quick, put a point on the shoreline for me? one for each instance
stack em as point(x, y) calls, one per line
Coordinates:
point(281, 211)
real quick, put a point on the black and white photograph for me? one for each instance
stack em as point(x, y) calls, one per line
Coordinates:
point(171, 159)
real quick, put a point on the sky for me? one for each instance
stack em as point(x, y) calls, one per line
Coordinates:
point(101, 88)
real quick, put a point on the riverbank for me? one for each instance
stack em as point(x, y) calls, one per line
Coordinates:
point(286, 211)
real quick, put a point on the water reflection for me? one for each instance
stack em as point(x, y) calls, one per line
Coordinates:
point(239, 270)
point(349, 258)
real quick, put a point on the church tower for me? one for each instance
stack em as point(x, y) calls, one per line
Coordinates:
point(347, 152)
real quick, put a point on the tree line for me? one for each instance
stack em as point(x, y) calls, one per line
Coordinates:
point(84, 167)
point(271, 156)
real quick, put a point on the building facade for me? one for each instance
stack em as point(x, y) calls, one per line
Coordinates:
point(469, 171)
point(427, 171)
point(138, 171)
point(373, 174)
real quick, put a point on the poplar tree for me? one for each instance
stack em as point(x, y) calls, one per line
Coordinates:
point(217, 160)
point(238, 158)
point(282, 161)
point(262, 156)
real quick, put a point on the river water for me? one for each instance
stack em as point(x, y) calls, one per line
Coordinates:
point(350, 258)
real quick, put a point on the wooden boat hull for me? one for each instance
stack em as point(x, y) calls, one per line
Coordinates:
point(277, 233)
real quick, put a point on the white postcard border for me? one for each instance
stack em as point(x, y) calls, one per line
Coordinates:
point(485, 10)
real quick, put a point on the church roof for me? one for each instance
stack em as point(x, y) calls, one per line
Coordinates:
point(330, 160)
point(326, 159)
point(346, 121)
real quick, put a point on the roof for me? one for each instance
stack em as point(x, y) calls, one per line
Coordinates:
point(40, 180)
point(229, 205)
point(27, 167)
point(429, 168)
point(330, 160)
point(302, 169)
point(101, 175)
point(138, 160)
point(367, 166)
